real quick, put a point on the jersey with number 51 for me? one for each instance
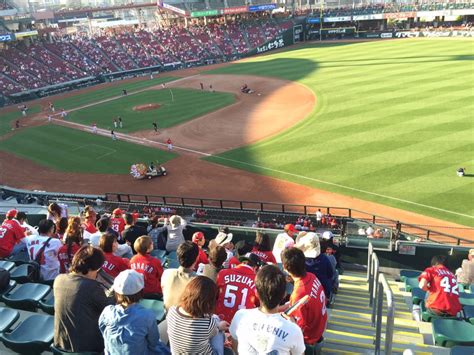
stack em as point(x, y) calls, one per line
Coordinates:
point(236, 291)
point(443, 290)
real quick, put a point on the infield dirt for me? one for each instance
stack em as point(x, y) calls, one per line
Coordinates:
point(252, 118)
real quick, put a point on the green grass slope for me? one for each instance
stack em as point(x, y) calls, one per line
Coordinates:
point(177, 106)
point(393, 122)
point(70, 150)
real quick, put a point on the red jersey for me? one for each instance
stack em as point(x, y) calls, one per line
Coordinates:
point(89, 227)
point(114, 265)
point(117, 224)
point(233, 262)
point(443, 290)
point(64, 261)
point(10, 234)
point(201, 259)
point(311, 317)
point(236, 291)
point(151, 269)
point(266, 256)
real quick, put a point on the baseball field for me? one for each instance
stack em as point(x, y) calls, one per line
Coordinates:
point(387, 122)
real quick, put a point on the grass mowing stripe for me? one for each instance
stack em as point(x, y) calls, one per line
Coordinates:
point(391, 118)
point(107, 157)
point(184, 105)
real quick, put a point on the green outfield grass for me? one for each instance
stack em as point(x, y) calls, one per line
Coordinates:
point(393, 122)
point(177, 106)
point(6, 119)
point(89, 97)
point(70, 150)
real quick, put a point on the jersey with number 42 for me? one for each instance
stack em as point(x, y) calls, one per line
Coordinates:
point(443, 289)
point(236, 291)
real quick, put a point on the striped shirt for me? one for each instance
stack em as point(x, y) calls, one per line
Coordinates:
point(189, 336)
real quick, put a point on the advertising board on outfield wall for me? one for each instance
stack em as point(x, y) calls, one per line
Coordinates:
point(235, 10)
point(367, 17)
point(399, 15)
point(7, 37)
point(338, 19)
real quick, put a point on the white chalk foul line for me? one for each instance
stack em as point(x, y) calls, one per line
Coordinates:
point(345, 187)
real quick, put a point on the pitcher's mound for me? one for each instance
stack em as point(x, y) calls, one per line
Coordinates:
point(146, 107)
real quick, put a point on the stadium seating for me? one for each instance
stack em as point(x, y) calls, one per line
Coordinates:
point(47, 303)
point(410, 283)
point(57, 351)
point(462, 350)
point(8, 316)
point(26, 296)
point(408, 273)
point(25, 273)
point(33, 336)
point(7, 265)
point(156, 306)
point(451, 332)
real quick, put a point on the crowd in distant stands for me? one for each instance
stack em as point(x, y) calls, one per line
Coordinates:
point(75, 56)
point(211, 295)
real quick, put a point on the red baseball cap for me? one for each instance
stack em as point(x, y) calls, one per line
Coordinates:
point(117, 211)
point(290, 228)
point(11, 214)
point(198, 236)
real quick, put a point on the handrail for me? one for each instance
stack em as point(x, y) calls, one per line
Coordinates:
point(378, 286)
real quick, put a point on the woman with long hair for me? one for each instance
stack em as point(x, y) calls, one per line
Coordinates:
point(192, 327)
point(61, 227)
point(72, 240)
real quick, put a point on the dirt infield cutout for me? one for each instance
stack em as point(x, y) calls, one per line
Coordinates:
point(146, 107)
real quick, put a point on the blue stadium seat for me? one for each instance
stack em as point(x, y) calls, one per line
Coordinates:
point(7, 265)
point(410, 283)
point(466, 299)
point(10, 286)
point(33, 336)
point(471, 288)
point(47, 303)
point(409, 273)
point(172, 255)
point(469, 314)
point(8, 316)
point(158, 253)
point(172, 264)
point(156, 306)
point(26, 296)
point(451, 332)
point(417, 295)
point(427, 316)
point(25, 273)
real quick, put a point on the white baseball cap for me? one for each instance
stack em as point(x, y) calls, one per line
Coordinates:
point(129, 282)
point(309, 244)
point(327, 235)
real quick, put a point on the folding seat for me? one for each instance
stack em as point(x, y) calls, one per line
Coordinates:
point(47, 303)
point(156, 306)
point(32, 336)
point(7, 265)
point(469, 314)
point(410, 283)
point(408, 273)
point(8, 316)
point(10, 286)
point(172, 264)
point(158, 253)
point(172, 255)
point(451, 332)
point(427, 316)
point(466, 299)
point(462, 350)
point(26, 296)
point(417, 295)
point(25, 273)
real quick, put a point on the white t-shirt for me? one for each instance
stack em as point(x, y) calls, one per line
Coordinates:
point(258, 333)
point(93, 238)
point(50, 262)
point(282, 242)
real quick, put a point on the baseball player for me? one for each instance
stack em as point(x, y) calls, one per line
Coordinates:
point(115, 123)
point(51, 107)
point(112, 134)
point(170, 144)
point(120, 122)
point(94, 128)
point(63, 114)
point(155, 127)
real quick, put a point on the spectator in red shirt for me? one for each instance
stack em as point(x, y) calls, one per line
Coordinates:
point(263, 249)
point(72, 243)
point(147, 265)
point(311, 317)
point(442, 288)
point(113, 265)
point(90, 219)
point(117, 221)
point(11, 235)
point(237, 287)
point(200, 240)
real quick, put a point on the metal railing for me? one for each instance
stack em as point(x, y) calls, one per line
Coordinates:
point(378, 287)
